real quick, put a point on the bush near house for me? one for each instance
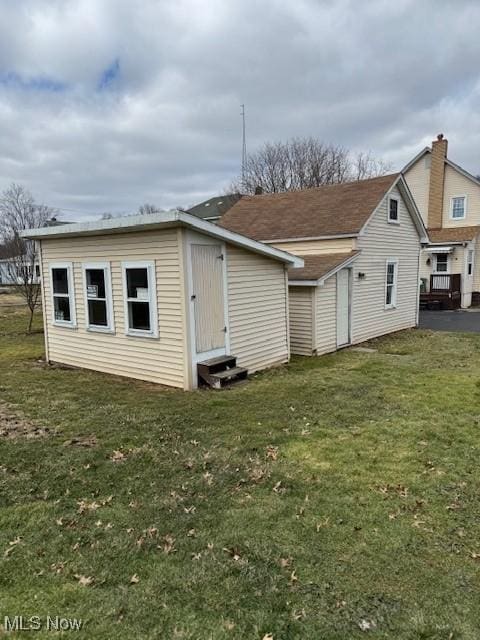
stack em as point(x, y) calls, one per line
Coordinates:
point(336, 498)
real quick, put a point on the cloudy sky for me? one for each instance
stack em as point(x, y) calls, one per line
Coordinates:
point(106, 104)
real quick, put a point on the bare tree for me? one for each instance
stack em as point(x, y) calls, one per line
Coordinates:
point(148, 209)
point(365, 165)
point(303, 163)
point(19, 211)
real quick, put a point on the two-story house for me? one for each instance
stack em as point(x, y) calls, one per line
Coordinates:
point(448, 198)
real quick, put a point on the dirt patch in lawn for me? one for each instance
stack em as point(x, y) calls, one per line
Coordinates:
point(13, 426)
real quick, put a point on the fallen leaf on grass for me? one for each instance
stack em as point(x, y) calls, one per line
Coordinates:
point(11, 546)
point(268, 636)
point(134, 579)
point(117, 456)
point(367, 625)
point(85, 581)
point(272, 452)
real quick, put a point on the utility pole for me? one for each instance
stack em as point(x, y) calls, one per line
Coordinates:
point(244, 145)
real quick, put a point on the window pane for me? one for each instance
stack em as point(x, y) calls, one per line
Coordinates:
point(390, 273)
point(393, 209)
point(60, 280)
point(458, 207)
point(139, 315)
point(389, 294)
point(96, 283)
point(137, 283)
point(97, 313)
point(62, 309)
point(442, 262)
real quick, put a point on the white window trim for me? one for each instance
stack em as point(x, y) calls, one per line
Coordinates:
point(105, 266)
point(72, 323)
point(435, 270)
point(465, 203)
point(393, 304)
point(390, 220)
point(152, 299)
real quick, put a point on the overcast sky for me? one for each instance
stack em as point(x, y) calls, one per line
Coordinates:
point(106, 104)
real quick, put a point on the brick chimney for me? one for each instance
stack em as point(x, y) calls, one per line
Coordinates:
point(437, 177)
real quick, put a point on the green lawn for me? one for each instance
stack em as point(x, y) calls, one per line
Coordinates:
point(338, 498)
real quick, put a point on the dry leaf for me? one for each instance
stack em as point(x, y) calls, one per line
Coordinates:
point(272, 452)
point(117, 456)
point(367, 625)
point(85, 581)
point(134, 579)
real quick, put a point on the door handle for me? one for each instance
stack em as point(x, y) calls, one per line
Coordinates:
point(193, 297)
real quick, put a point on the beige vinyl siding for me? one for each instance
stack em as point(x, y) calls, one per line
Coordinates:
point(302, 312)
point(257, 309)
point(315, 247)
point(418, 181)
point(159, 360)
point(476, 265)
point(381, 240)
point(326, 316)
point(457, 184)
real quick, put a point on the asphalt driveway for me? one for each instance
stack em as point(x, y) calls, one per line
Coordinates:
point(462, 321)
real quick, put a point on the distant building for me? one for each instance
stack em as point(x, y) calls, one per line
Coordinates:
point(214, 208)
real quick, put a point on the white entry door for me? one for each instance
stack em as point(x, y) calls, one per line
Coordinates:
point(208, 297)
point(343, 307)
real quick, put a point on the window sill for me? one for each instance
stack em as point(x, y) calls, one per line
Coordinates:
point(390, 307)
point(132, 333)
point(65, 325)
point(397, 222)
point(101, 330)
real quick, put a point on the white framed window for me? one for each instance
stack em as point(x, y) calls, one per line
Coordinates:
point(139, 290)
point(470, 262)
point(393, 210)
point(441, 263)
point(458, 207)
point(391, 275)
point(97, 285)
point(63, 296)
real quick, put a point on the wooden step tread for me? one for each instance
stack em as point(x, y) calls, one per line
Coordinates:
point(229, 373)
point(216, 361)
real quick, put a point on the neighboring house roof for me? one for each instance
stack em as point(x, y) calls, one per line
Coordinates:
point(161, 220)
point(455, 166)
point(455, 234)
point(321, 266)
point(216, 207)
point(332, 210)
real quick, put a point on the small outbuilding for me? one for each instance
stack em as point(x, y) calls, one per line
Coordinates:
point(161, 297)
point(361, 243)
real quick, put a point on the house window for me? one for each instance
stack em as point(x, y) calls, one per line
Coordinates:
point(470, 263)
point(458, 207)
point(391, 283)
point(140, 299)
point(441, 262)
point(98, 297)
point(63, 300)
point(393, 210)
